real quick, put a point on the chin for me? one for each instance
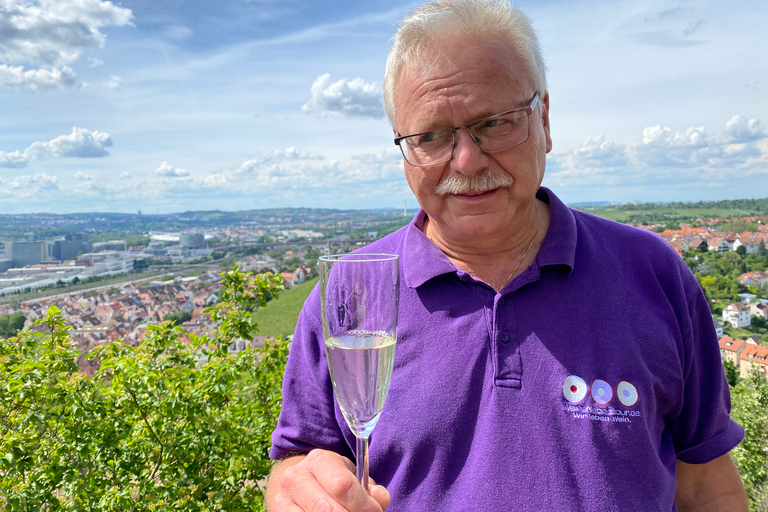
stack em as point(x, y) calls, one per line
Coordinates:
point(477, 226)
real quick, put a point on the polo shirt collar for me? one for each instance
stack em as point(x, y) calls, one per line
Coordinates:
point(422, 260)
point(559, 245)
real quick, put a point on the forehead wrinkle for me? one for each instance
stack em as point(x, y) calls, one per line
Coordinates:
point(442, 89)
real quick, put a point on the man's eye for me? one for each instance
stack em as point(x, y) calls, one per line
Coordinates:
point(425, 138)
point(430, 139)
point(493, 123)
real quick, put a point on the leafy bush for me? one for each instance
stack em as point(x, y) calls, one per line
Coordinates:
point(750, 402)
point(166, 425)
point(11, 324)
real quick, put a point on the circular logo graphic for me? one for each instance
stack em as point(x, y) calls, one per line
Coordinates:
point(574, 389)
point(627, 393)
point(601, 392)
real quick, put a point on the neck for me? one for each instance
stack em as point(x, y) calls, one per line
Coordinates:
point(499, 259)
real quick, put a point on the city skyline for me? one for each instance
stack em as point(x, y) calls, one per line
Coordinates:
point(255, 104)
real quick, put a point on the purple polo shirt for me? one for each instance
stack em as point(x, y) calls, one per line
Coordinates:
point(575, 388)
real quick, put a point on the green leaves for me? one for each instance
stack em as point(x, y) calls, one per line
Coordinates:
point(749, 405)
point(175, 423)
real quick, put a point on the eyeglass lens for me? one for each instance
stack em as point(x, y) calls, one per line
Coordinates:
point(496, 133)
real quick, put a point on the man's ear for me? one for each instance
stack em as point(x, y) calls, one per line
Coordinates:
point(545, 120)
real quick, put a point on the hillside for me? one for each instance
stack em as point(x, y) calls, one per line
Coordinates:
point(280, 316)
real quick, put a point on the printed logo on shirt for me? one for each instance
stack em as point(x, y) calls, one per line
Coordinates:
point(601, 406)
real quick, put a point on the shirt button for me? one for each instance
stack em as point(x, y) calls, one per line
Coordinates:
point(504, 337)
point(501, 302)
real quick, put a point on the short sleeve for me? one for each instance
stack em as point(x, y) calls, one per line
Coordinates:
point(307, 419)
point(703, 430)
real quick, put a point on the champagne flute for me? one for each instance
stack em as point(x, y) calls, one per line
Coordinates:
point(359, 298)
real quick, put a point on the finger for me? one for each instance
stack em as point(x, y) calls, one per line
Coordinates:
point(347, 491)
point(281, 506)
point(381, 495)
point(336, 474)
point(303, 492)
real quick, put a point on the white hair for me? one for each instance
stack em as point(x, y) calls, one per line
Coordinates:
point(423, 29)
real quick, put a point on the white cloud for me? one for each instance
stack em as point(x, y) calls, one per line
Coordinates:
point(597, 150)
point(124, 175)
point(170, 171)
point(354, 98)
point(36, 79)
point(14, 159)
point(178, 32)
point(388, 156)
point(81, 143)
point(83, 176)
point(114, 83)
point(29, 183)
point(739, 129)
point(698, 147)
point(664, 157)
point(663, 147)
point(292, 153)
point(93, 62)
point(48, 35)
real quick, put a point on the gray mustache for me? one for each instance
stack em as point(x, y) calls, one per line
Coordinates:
point(481, 182)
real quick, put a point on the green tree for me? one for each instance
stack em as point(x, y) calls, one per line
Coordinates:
point(731, 373)
point(166, 425)
point(177, 317)
point(749, 402)
point(12, 323)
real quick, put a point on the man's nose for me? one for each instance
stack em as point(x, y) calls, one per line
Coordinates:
point(468, 158)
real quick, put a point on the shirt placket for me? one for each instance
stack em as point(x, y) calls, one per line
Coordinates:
point(509, 369)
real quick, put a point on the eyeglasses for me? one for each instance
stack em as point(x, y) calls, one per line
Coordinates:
point(492, 134)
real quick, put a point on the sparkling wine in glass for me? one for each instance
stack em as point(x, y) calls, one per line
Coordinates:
point(359, 299)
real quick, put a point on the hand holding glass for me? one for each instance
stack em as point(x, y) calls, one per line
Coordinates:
point(359, 299)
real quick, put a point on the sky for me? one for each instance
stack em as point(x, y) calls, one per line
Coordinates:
point(166, 106)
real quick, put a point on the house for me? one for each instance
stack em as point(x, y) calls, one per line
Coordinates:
point(750, 245)
point(738, 315)
point(747, 298)
point(756, 277)
point(731, 349)
point(697, 243)
point(718, 327)
point(753, 356)
point(288, 279)
point(758, 309)
point(720, 245)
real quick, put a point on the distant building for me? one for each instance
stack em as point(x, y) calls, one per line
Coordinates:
point(752, 246)
point(113, 245)
point(756, 309)
point(70, 246)
point(192, 240)
point(747, 298)
point(753, 356)
point(721, 245)
point(30, 252)
point(718, 327)
point(5, 265)
point(756, 277)
point(731, 349)
point(737, 314)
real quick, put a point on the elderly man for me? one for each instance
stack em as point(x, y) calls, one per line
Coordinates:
point(547, 360)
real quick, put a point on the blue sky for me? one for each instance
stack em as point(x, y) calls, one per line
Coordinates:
point(172, 105)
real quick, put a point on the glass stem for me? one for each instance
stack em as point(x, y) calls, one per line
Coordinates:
point(362, 462)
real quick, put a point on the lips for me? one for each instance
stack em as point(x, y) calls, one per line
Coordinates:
point(475, 193)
